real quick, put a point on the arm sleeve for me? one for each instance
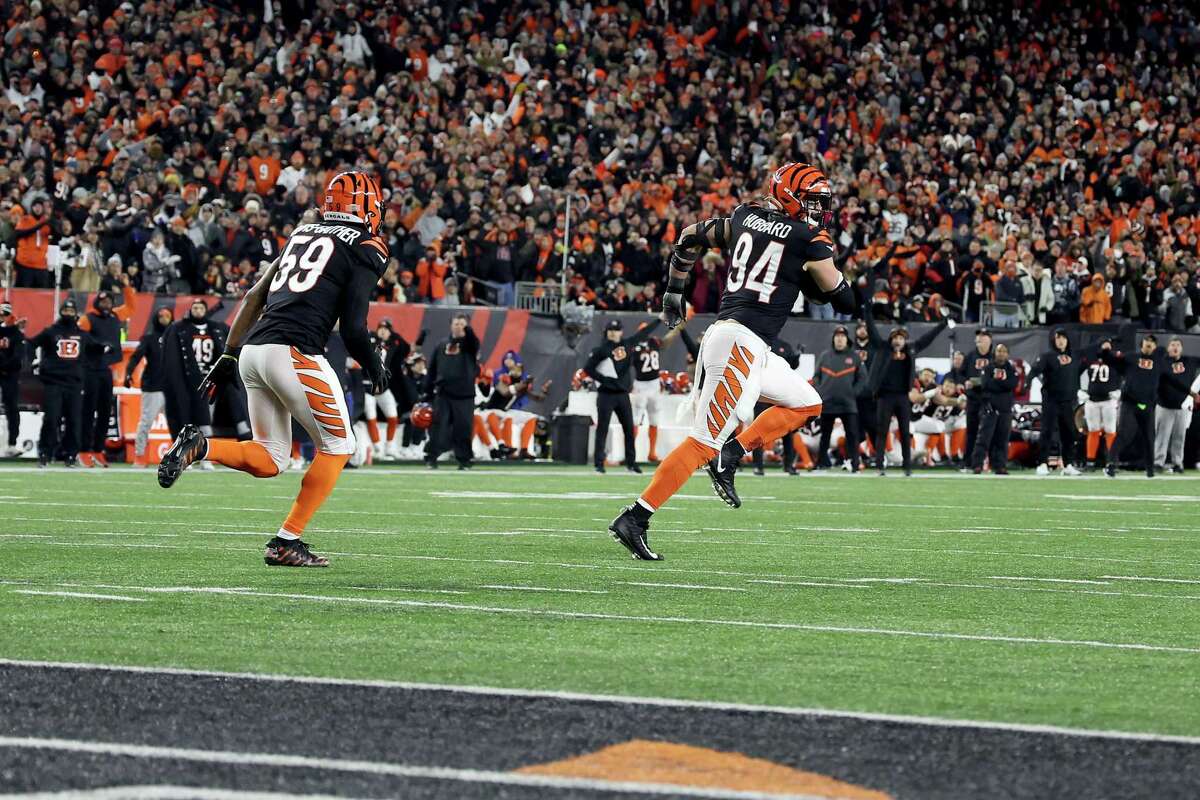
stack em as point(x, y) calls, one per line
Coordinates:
point(693, 347)
point(872, 331)
point(929, 336)
point(353, 321)
point(136, 358)
point(126, 310)
point(431, 373)
point(642, 335)
point(470, 342)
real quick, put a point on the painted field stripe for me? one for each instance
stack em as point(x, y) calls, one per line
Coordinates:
point(1143, 498)
point(683, 586)
point(736, 623)
point(1048, 580)
point(492, 777)
point(166, 792)
point(631, 700)
point(813, 583)
point(541, 589)
point(1150, 580)
point(82, 595)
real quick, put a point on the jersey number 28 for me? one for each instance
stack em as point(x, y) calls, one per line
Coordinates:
point(759, 278)
point(302, 263)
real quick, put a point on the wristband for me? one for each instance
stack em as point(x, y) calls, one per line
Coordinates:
point(676, 285)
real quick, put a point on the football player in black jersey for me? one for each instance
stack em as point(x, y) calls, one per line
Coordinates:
point(778, 248)
point(647, 391)
point(324, 276)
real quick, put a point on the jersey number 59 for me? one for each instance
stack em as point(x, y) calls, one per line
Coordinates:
point(754, 278)
point(302, 263)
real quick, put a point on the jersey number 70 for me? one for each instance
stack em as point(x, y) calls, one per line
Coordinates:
point(754, 278)
point(302, 263)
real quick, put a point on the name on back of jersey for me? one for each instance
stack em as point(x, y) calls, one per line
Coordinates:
point(780, 230)
point(347, 235)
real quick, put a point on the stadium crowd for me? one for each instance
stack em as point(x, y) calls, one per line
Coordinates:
point(1041, 156)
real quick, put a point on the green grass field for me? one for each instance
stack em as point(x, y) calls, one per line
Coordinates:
point(1055, 601)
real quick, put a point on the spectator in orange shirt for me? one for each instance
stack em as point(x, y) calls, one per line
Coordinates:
point(265, 168)
point(431, 278)
point(1095, 306)
point(33, 240)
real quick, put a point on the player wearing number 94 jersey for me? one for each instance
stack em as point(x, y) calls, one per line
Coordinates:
point(323, 277)
point(779, 248)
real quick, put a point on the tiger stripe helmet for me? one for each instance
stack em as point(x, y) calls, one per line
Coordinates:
point(354, 196)
point(803, 192)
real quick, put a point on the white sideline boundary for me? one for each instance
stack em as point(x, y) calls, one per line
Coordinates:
point(233, 758)
point(630, 700)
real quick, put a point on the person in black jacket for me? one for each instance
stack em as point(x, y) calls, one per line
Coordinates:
point(190, 347)
point(450, 381)
point(788, 354)
point(609, 365)
point(104, 323)
point(62, 347)
point(1059, 370)
point(840, 378)
point(997, 383)
point(12, 357)
point(149, 349)
point(891, 375)
point(1139, 395)
point(976, 362)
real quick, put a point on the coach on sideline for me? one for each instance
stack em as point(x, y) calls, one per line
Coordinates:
point(451, 383)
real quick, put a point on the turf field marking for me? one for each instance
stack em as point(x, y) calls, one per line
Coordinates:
point(375, 768)
point(1048, 580)
point(81, 595)
point(166, 792)
point(1155, 580)
point(402, 589)
point(541, 589)
point(633, 700)
point(683, 586)
point(813, 583)
point(1151, 498)
point(737, 623)
point(1002, 588)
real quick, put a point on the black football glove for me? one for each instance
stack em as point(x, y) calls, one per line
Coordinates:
point(220, 375)
point(379, 375)
point(672, 313)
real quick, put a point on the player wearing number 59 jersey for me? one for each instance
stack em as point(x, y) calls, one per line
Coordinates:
point(324, 276)
point(778, 248)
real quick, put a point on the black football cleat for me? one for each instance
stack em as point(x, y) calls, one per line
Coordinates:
point(191, 446)
point(600, 469)
point(634, 468)
point(722, 469)
point(1110, 470)
point(631, 532)
point(292, 553)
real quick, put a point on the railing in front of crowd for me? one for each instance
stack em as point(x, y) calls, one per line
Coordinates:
point(1001, 315)
point(540, 298)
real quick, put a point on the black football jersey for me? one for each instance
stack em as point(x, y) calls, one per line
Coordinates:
point(768, 252)
point(646, 361)
point(322, 269)
point(1103, 379)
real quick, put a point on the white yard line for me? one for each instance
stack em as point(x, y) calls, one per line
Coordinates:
point(1047, 580)
point(82, 595)
point(737, 623)
point(1152, 580)
point(277, 760)
point(505, 587)
point(584, 697)
point(813, 583)
point(682, 586)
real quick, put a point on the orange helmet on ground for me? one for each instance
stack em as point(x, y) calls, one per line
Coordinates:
point(802, 191)
point(421, 415)
point(354, 197)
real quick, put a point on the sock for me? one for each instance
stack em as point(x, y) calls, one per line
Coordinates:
point(318, 482)
point(481, 432)
point(373, 430)
point(249, 457)
point(653, 433)
point(641, 511)
point(286, 535)
point(958, 442)
point(506, 427)
point(773, 423)
point(1109, 440)
point(392, 424)
point(493, 423)
point(674, 472)
point(802, 454)
point(527, 433)
point(636, 428)
point(1093, 445)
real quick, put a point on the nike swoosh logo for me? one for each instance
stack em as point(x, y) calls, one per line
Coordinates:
point(381, 257)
